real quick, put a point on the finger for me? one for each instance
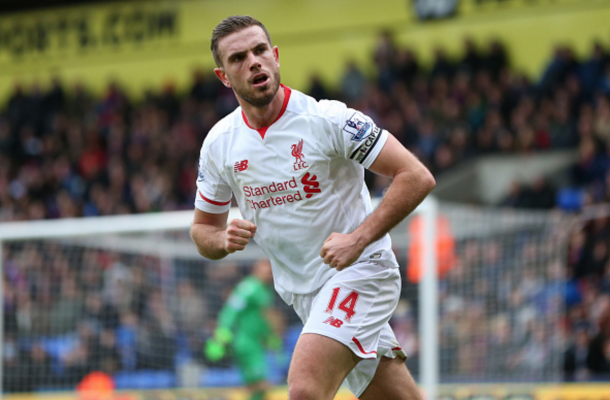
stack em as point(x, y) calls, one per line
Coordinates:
point(239, 240)
point(328, 260)
point(241, 224)
point(253, 229)
point(233, 247)
point(235, 230)
point(323, 252)
point(235, 243)
point(241, 233)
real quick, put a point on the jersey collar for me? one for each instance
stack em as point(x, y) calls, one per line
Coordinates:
point(263, 130)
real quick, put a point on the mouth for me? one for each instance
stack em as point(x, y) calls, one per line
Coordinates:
point(260, 80)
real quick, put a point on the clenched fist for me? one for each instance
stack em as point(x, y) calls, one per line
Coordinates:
point(341, 250)
point(238, 235)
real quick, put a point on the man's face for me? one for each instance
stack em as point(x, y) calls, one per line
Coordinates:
point(250, 66)
point(262, 269)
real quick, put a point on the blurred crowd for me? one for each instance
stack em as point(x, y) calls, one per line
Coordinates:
point(71, 310)
point(66, 153)
point(501, 316)
point(70, 155)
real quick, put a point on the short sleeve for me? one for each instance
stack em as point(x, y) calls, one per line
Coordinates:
point(213, 193)
point(359, 138)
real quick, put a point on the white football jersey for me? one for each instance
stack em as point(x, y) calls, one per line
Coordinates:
point(298, 180)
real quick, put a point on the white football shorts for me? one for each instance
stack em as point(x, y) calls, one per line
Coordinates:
point(354, 308)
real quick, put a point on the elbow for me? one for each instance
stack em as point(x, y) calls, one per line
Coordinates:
point(420, 179)
point(207, 254)
point(429, 182)
point(201, 250)
point(193, 238)
point(425, 180)
point(212, 257)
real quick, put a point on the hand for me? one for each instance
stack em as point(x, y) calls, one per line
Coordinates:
point(215, 346)
point(238, 235)
point(214, 350)
point(341, 250)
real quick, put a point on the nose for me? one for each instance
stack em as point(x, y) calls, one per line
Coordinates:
point(254, 62)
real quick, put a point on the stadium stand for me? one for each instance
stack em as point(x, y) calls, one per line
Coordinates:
point(66, 153)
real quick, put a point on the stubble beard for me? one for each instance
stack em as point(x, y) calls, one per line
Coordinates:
point(260, 99)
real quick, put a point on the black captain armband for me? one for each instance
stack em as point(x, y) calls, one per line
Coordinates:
point(362, 152)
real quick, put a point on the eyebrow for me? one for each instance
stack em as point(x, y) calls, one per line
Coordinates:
point(234, 55)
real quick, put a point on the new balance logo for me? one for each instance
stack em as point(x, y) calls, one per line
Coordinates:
point(241, 166)
point(332, 321)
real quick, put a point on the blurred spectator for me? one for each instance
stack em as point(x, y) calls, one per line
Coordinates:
point(14, 376)
point(383, 56)
point(605, 282)
point(104, 352)
point(126, 337)
point(539, 195)
point(575, 365)
point(405, 329)
point(156, 346)
point(352, 83)
point(591, 164)
point(442, 66)
point(68, 309)
point(204, 89)
point(472, 61)
point(599, 350)
point(406, 66)
point(497, 59)
point(37, 369)
point(317, 89)
point(561, 66)
point(78, 361)
point(500, 346)
point(591, 71)
point(601, 120)
point(191, 314)
point(100, 314)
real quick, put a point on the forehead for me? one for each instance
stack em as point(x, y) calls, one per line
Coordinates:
point(242, 40)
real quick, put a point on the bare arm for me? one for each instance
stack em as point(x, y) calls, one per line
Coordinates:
point(411, 183)
point(215, 239)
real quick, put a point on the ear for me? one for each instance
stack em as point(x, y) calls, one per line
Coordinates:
point(276, 55)
point(220, 73)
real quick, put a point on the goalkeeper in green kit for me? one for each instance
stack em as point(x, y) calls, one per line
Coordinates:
point(248, 324)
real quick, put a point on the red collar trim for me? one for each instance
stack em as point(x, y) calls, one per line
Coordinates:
point(263, 130)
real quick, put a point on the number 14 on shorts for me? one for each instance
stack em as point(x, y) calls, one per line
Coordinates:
point(347, 305)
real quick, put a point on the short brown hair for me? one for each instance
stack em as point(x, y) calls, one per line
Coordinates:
point(231, 25)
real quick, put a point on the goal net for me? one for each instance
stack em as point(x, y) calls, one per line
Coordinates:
point(130, 296)
point(501, 294)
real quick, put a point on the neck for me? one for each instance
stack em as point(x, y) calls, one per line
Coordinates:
point(260, 117)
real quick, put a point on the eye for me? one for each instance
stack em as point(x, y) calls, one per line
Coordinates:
point(236, 58)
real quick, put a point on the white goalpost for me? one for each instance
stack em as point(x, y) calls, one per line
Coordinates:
point(135, 287)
